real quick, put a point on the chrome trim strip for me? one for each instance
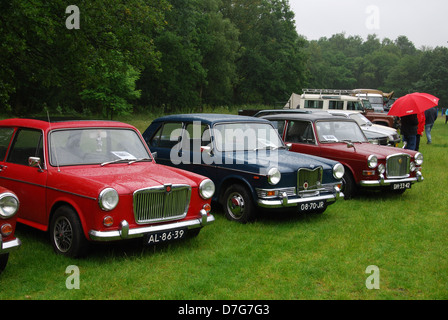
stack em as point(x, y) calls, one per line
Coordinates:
point(50, 188)
point(127, 233)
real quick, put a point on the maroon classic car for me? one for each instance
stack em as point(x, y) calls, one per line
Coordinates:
point(341, 139)
point(97, 181)
point(8, 209)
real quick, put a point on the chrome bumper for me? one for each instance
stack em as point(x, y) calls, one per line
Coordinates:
point(286, 202)
point(126, 233)
point(8, 246)
point(387, 182)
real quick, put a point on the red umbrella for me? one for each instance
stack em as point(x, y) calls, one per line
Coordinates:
point(413, 103)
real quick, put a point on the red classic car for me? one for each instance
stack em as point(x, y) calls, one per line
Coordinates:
point(8, 209)
point(341, 139)
point(97, 181)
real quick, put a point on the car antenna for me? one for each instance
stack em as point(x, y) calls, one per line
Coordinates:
point(55, 154)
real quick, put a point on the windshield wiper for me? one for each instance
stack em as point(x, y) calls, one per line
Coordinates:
point(115, 161)
point(130, 161)
point(140, 159)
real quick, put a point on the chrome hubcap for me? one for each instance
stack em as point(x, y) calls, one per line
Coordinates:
point(235, 205)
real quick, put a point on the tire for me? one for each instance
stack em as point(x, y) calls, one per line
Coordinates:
point(66, 233)
point(348, 185)
point(3, 261)
point(238, 204)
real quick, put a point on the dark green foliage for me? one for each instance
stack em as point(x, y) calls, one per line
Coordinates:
point(179, 55)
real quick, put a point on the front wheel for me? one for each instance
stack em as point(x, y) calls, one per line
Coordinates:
point(348, 185)
point(238, 204)
point(3, 261)
point(67, 236)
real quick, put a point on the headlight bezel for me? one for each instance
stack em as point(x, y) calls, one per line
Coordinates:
point(372, 161)
point(338, 171)
point(418, 158)
point(206, 189)
point(108, 199)
point(11, 202)
point(274, 176)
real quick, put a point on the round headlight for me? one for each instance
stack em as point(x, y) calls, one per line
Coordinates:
point(206, 189)
point(372, 161)
point(9, 204)
point(108, 199)
point(381, 169)
point(418, 159)
point(274, 176)
point(338, 171)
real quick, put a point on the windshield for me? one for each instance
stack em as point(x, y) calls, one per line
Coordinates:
point(339, 131)
point(367, 104)
point(360, 119)
point(246, 136)
point(95, 146)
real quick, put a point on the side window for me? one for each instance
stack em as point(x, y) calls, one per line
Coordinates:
point(336, 105)
point(354, 105)
point(27, 143)
point(5, 139)
point(314, 104)
point(196, 135)
point(170, 134)
point(279, 125)
point(300, 132)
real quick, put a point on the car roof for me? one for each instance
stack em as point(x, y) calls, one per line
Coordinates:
point(210, 118)
point(306, 116)
point(61, 123)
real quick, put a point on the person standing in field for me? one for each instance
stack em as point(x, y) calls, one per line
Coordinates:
point(409, 125)
point(420, 129)
point(431, 117)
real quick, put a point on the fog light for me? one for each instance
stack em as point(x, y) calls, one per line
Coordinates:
point(108, 221)
point(207, 207)
point(6, 229)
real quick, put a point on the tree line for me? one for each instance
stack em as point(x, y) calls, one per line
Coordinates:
point(172, 55)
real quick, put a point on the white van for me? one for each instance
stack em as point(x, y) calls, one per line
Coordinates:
point(317, 99)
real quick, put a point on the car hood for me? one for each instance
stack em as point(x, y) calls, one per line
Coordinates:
point(366, 149)
point(122, 177)
point(286, 161)
point(380, 129)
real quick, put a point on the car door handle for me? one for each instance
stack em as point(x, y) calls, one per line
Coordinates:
point(2, 167)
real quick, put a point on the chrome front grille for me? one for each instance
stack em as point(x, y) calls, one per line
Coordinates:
point(309, 181)
point(397, 166)
point(162, 203)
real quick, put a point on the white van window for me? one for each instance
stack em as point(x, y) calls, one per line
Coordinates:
point(336, 105)
point(314, 104)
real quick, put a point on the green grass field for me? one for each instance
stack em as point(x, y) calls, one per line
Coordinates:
point(285, 257)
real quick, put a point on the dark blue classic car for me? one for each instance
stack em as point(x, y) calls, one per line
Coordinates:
point(248, 162)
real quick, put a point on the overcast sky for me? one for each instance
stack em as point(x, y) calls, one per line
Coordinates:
point(423, 22)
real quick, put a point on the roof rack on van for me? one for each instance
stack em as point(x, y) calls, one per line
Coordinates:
point(328, 91)
point(349, 92)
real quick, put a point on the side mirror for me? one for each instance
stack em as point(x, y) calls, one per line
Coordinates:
point(154, 155)
point(288, 146)
point(35, 162)
point(206, 149)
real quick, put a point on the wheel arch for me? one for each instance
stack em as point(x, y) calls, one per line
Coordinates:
point(235, 180)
